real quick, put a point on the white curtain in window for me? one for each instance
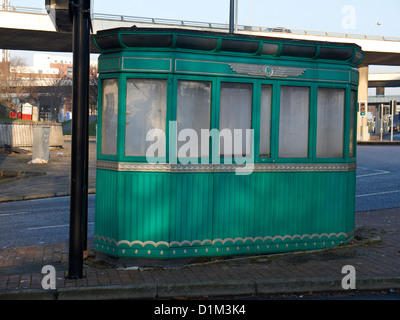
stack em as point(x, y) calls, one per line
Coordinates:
point(235, 113)
point(265, 121)
point(146, 106)
point(330, 122)
point(352, 118)
point(193, 110)
point(109, 122)
point(294, 122)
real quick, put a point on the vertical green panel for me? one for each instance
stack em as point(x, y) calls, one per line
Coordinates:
point(185, 212)
point(144, 213)
point(106, 217)
point(286, 204)
point(234, 203)
point(191, 209)
point(351, 200)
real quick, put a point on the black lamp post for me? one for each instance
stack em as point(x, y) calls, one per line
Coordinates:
point(80, 136)
point(232, 16)
point(74, 16)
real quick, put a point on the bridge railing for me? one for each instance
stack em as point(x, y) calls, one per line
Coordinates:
point(213, 25)
point(22, 9)
point(209, 25)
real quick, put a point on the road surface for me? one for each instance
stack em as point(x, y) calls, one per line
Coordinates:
point(25, 223)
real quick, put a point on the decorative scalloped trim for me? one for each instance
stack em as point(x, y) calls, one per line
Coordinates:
point(222, 241)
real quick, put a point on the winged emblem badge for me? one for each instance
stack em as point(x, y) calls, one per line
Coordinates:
point(261, 70)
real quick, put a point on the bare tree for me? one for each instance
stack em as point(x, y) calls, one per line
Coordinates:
point(93, 89)
point(5, 96)
point(16, 81)
point(53, 90)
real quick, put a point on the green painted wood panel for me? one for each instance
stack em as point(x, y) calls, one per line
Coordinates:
point(191, 207)
point(106, 217)
point(145, 63)
point(175, 215)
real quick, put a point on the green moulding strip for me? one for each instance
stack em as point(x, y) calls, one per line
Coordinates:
point(229, 248)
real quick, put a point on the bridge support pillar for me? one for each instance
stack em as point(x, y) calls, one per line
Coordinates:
point(362, 126)
point(380, 91)
point(363, 84)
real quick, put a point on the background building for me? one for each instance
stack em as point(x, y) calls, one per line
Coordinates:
point(47, 84)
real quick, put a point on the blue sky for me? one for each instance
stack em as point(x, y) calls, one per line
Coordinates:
point(327, 15)
point(345, 16)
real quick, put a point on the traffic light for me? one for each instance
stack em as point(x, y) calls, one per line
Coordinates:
point(362, 107)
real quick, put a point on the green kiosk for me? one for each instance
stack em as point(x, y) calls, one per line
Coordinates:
point(216, 144)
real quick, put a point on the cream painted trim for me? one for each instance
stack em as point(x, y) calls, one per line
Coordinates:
point(257, 167)
point(223, 241)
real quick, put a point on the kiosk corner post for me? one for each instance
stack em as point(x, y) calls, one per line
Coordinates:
point(79, 148)
point(232, 16)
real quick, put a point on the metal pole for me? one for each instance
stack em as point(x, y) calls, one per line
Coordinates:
point(232, 16)
point(79, 147)
point(394, 112)
point(381, 121)
point(236, 14)
point(250, 12)
point(391, 119)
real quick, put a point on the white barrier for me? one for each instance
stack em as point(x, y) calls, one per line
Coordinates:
point(20, 133)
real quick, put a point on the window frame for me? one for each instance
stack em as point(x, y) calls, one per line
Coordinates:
point(351, 88)
point(329, 159)
point(311, 116)
point(99, 132)
point(174, 110)
point(273, 121)
point(346, 129)
point(257, 83)
point(254, 117)
point(123, 106)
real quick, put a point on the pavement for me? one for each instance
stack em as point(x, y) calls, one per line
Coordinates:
point(374, 253)
point(385, 140)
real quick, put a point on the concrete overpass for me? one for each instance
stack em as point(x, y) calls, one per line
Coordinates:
point(383, 80)
point(23, 28)
point(31, 29)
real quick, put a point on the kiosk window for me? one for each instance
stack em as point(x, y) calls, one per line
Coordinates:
point(330, 123)
point(235, 115)
point(352, 118)
point(294, 122)
point(109, 122)
point(146, 105)
point(265, 121)
point(193, 110)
